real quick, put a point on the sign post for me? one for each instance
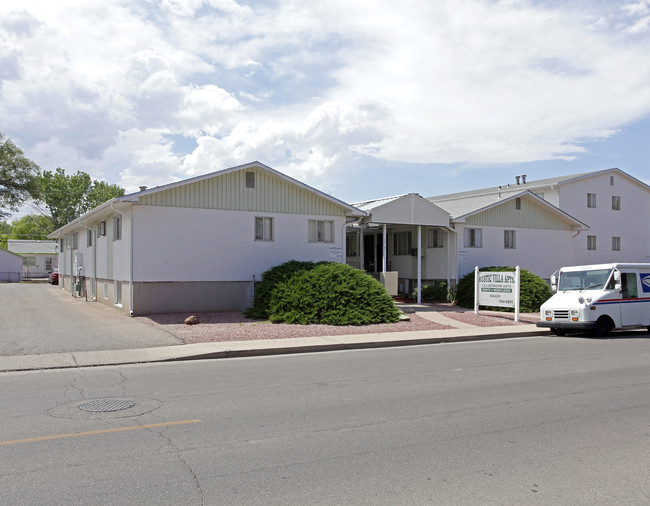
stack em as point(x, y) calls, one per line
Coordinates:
point(499, 289)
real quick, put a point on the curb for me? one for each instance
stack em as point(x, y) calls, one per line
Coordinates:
point(234, 349)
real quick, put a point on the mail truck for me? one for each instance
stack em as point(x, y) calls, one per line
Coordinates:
point(598, 299)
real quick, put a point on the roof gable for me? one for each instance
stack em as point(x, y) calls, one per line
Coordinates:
point(409, 209)
point(523, 210)
point(250, 187)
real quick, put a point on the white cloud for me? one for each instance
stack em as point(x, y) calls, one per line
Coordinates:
point(303, 86)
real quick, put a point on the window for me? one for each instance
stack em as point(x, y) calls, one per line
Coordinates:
point(75, 240)
point(629, 287)
point(591, 200)
point(29, 261)
point(616, 203)
point(321, 231)
point(101, 228)
point(591, 242)
point(250, 179)
point(263, 229)
point(518, 204)
point(61, 245)
point(402, 243)
point(117, 228)
point(611, 180)
point(118, 293)
point(89, 238)
point(48, 264)
point(473, 238)
point(352, 247)
point(435, 238)
point(616, 244)
point(509, 239)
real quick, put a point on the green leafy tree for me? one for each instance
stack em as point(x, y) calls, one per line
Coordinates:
point(18, 177)
point(33, 226)
point(69, 196)
point(5, 230)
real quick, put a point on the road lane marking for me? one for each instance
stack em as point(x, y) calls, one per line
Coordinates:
point(94, 432)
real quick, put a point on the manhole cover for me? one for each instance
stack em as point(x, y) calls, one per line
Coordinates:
point(106, 405)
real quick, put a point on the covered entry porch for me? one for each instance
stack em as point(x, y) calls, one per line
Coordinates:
point(404, 241)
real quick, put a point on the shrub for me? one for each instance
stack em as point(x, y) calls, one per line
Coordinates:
point(436, 291)
point(269, 281)
point(333, 294)
point(533, 290)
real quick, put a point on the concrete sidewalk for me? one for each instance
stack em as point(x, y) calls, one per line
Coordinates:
point(263, 347)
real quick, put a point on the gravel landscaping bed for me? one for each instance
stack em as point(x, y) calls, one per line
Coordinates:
point(233, 326)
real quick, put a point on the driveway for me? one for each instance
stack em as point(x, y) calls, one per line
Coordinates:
point(38, 318)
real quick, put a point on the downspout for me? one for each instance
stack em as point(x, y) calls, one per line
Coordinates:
point(130, 259)
point(94, 257)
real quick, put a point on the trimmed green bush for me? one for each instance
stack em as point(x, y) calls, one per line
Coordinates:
point(269, 281)
point(437, 291)
point(533, 290)
point(333, 294)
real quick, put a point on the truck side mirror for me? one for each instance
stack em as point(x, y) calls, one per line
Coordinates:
point(617, 281)
point(553, 283)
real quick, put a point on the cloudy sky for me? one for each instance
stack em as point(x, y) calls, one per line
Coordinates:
point(359, 98)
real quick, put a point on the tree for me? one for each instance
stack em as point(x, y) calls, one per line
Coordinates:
point(68, 197)
point(18, 177)
point(33, 226)
point(5, 230)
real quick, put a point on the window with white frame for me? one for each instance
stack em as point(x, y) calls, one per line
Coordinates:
point(616, 244)
point(29, 261)
point(509, 239)
point(75, 240)
point(473, 238)
point(591, 242)
point(591, 200)
point(518, 204)
point(48, 264)
point(402, 243)
point(250, 179)
point(263, 228)
point(321, 231)
point(117, 228)
point(616, 203)
point(89, 238)
point(611, 180)
point(435, 238)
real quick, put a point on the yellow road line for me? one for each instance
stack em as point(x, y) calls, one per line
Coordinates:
point(94, 432)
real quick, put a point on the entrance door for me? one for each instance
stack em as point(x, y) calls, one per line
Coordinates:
point(372, 252)
point(632, 309)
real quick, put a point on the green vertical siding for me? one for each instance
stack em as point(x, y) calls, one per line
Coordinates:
point(271, 194)
point(531, 215)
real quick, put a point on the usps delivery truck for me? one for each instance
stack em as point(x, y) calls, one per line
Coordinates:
point(598, 299)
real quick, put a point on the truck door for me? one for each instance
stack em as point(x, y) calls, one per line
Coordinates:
point(632, 308)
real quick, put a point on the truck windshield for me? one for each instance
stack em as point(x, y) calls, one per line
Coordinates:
point(584, 280)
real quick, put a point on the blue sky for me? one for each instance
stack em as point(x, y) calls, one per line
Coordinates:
point(360, 99)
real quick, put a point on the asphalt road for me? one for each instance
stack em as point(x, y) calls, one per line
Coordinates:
point(522, 421)
point(39, 318)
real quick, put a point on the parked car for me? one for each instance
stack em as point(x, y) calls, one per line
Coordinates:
point(54, 277)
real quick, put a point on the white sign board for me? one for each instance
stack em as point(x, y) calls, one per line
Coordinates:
point(336, 252)
point(499, 289)
point(496, 289)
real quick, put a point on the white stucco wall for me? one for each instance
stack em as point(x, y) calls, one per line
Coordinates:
point(539, 251)
point(630, 223)
point(182, 244)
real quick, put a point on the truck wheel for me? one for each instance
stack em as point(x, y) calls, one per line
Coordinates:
point(603, 327)
point(559, 332)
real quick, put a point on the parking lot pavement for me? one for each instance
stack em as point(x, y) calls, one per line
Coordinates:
point(38, 318)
